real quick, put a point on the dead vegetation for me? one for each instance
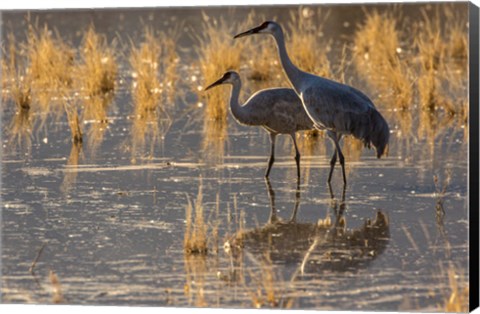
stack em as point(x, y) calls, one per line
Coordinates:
point(377, 57)
point(195, 239)
point(458, 300)
point(217, 52)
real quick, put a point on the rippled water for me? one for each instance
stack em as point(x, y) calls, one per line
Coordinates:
point(112, 230)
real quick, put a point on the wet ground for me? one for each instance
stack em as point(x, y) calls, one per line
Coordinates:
point(112, 229)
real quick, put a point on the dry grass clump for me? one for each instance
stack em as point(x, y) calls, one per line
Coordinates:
point(154, 59)
point(459, 297)
point(56, 288)
point(97, 71)
point(74, 122)
point(21, 91)
point(306, 49)
point(376, 50)
point(144, 62)
point(431, 49)
point(437, 83)
point(195, 240)
point(217, 52)
point(50, 64)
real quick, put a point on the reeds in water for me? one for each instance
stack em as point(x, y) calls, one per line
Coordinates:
point(377, 57)
point(154, 71)
point(195, 239)
point(308, 50)
point(217, 52)
point(50, 63)
point(458, 300)
point(97, 71)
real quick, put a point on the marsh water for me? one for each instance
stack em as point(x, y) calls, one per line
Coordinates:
point(110, 223)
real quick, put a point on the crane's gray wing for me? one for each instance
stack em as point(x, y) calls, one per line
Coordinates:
point(279, 109)
point(335, 106)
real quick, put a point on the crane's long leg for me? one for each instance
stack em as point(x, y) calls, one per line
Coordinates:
point(342, 159)
point(333, 161)
point(336, 138)
point(273, 137)
point(297, 155)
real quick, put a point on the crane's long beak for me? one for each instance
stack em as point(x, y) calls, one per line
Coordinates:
point(216, 83)
point(252, 31)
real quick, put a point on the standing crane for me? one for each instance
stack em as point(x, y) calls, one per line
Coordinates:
point(338, 108)
point(277, 110)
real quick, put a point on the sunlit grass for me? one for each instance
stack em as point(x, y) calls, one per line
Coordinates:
point(458, 300)
point(50, 63)
point(217, 52)
point(377, 57)
point(154, 72)
point(97, 71)
point(154, 59)
point(195, 239)
point(307, 49)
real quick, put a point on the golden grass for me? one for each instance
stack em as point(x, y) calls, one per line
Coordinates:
point(97, 71)
point(376, 52)
point(458, 300)
point(217, 52)
point(155, 58)
point(195, 239)
point(442, 73)
point(50, 63)
point(57, 294)
point(305, 46)
point(146, 86)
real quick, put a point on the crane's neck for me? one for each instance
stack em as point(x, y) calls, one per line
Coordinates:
point(294, 74)
point(235, 107)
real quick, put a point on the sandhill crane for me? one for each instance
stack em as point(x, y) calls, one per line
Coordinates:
point(338, 108)
point(277, 110)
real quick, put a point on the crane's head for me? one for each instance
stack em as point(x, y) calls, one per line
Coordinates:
point(267, 27)
point(228, 77)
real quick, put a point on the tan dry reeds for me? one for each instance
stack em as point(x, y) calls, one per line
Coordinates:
point(97, 71)
point(458, 301)
point(306, 47)
point(195, 239)
point(376, 50)
point(217, 52)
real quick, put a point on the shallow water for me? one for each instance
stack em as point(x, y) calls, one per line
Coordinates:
point(112, 230)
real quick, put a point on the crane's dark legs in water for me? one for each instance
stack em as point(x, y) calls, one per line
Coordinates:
point(333, 161)
point(273, 136)
point(297, 155)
